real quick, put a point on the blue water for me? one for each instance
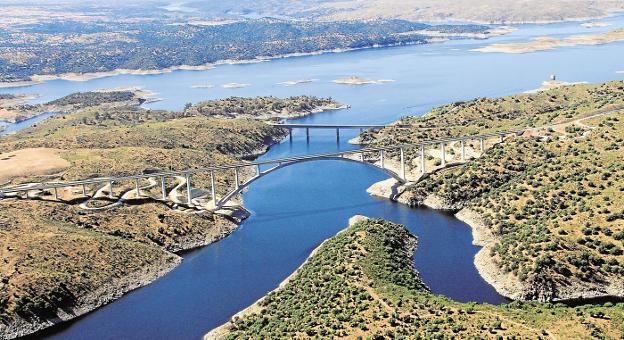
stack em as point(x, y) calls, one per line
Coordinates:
point(13, 127)
point(296, 208)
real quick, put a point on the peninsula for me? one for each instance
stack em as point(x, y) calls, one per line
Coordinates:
point(549, 43)
point(362, 284)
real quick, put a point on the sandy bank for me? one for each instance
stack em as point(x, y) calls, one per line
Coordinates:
point(595, 24)
point(550, 43)
point(553, 84)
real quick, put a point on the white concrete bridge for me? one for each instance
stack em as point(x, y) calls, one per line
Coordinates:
point(378, 157)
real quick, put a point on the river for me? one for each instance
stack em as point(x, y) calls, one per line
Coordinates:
point(296, 208)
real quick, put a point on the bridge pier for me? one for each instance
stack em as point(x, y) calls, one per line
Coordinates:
point(482, 145)
point(403, 165)
point(189, 197)
point(110, 192)
point(136, 186)
point(236, 179)
point(502, 138)
point(443, 150)
point(362, 157)
point(213, 189)
point(422, 159)
point(290, 135)
point(258, 170)
point(463, 150)
point(56, 197)
point(338, 135)
point(381, 159)
point(307, 134)
point(163, 188)
point(84, 190)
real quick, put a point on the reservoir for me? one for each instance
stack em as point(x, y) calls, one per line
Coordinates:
point(296, 208)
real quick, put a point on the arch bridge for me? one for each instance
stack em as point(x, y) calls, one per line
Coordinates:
point(377, 157)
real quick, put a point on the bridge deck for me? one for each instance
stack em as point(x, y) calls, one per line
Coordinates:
point(99, 180)
point(334, 126)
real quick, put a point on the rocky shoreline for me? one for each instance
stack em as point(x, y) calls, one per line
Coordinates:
point(101, 296)
point(506, 284)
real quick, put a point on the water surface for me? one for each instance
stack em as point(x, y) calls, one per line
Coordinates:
point(296, 208)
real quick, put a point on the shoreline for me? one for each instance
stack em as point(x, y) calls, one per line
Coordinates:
point(40, 79)
point(101, 296)
point(505, 284)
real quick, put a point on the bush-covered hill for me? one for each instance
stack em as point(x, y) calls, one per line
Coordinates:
point(361, 284)
point(551, 200)
point(107, 45)
point(61, 260)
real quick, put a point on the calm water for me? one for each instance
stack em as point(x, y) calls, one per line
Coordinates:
point(298, 207)
point(10, 128)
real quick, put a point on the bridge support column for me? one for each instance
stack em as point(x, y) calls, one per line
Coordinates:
point(84, 190)
point(422, 159)
point(381, 159)
point(163, 188)
point(290, 135)
point(443, 150)
point(463, 151)
point(55, 194)
point(403, 165)
point(236, 179)
point(338, 135)
point(361, 157)
point(482, 145)
point(257, 170)
point(136, 186)
point(189, 196)
point(307, 134)
point(213, 189)
point(111, 194)
point(502, 138)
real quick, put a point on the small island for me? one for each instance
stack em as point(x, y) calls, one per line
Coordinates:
point(297, 82)
point(235, 85)
point(354, 80)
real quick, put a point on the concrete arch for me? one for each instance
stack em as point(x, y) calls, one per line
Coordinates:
point(246, 184)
